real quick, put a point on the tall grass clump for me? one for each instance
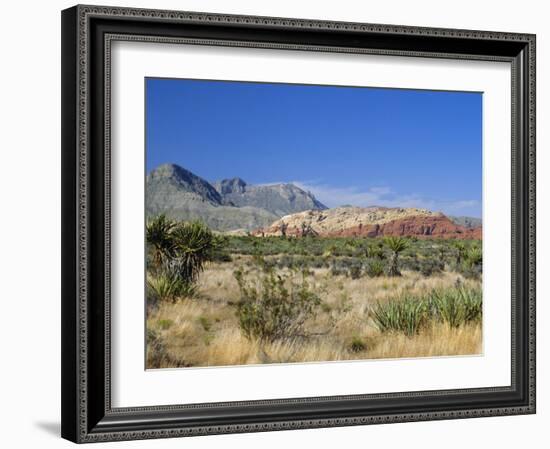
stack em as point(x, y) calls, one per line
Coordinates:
point(457, 306)
point(274, 307)
point(405, 315)
point(168, 286)
point(375, 268)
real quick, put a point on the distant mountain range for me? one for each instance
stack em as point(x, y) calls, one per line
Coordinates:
point(229, 204)
point(233, 205)
point(467, 222)
point(279, 199)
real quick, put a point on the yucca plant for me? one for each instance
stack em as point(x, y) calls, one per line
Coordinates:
point(168, 286)
point(405, 315)
point(457, 306)
point(193, 245)
point(374, 252)
point(396, 245)
point(460, 248)
point(159, 239)
point(475, 256)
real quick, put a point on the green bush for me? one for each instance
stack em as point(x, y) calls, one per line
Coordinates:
point(355, 271)
point(205, 323)
point(375, 268)
point(428, 267)
point(156, 350)
point(457, 306)
point(357, 345)
point(454, 306)
point(274, 307)
point(167, 286)
point(405, 315)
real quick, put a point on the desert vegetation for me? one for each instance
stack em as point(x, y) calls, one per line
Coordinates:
point(216, 299)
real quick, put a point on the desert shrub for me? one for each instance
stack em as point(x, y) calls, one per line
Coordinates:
point(338, 268)
point(357, 344)
point(428, 267)
point(167, 286)
point(274, 307)
point(375, 251)
point(471, 271)
point(318, 262)
point(457, 306)
point(285, 261)
point(471, 266)
point(355, 271)
point(474, 256)
point(165, 324)
point(405, 315)
point(221, 256)
point(156, 350)
point(205, 323)
point(374, 268)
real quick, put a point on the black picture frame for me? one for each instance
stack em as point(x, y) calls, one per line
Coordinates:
point(87, 415)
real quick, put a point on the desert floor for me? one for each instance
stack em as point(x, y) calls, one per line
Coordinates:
point(204, 330)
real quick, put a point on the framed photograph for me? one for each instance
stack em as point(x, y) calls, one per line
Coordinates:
point(276, 223)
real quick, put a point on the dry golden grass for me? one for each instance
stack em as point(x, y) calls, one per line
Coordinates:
point(204, 331)
point(438, 340)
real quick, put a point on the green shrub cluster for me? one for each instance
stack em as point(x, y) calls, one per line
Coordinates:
point(273, 306)
point(455, 307)
point(355, 257)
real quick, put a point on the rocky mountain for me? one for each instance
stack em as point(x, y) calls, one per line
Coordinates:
point(182, 195)
point(228, 205)
point(467, 222)
point(232, 205)
point(370, 222)
point(279, 199)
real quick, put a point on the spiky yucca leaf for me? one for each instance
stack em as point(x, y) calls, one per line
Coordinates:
point(159, 238)
point(168, 287)
point(395, 245)
point(194, 244)
point(406, 315)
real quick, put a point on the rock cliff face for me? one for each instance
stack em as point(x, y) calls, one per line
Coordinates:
point(233, 205)
point(370, 222)
point(228, 205)
point(279, 199)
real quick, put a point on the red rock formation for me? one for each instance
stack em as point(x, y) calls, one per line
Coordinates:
point(426, 225)
point(419, 226)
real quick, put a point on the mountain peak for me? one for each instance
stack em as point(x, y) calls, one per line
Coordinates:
point(184, 180)
point(228, 186)
point(180, 193)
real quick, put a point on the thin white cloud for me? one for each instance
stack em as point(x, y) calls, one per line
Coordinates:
point(382, 196)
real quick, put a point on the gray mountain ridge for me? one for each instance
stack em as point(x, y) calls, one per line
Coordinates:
point(279, 199)
point(467, 222)
point(230, 204)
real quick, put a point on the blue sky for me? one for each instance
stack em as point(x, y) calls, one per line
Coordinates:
point(347, 145)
